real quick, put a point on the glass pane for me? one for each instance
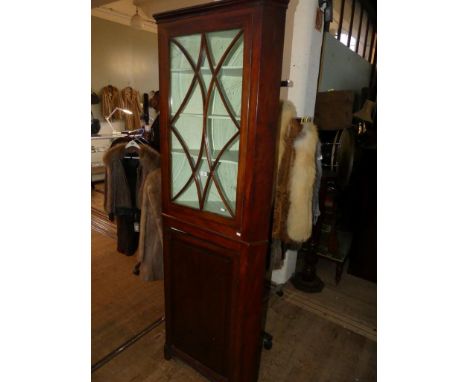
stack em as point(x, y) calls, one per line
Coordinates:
point(189, 197)
point(214, 202)
point(212, 150)
point(226, 178)
point(181, 78)
point(192, 45)
point(218, 42)
point(220, 131)
point(235, 56)
point(231, 88)
point(189, 127)
point(182, 177)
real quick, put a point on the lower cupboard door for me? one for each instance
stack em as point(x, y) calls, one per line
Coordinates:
point(201, 281)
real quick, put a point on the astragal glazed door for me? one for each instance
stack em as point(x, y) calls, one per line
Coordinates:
point(205, 98)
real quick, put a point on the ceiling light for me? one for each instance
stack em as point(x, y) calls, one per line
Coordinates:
point(136, 21)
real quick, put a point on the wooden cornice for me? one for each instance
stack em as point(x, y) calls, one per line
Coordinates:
point(197, 9)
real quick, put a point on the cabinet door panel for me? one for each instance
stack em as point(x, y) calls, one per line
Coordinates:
point(205, 98)
point(201, 282)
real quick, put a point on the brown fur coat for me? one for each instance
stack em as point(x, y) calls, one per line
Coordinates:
point(150, 250)
point(117, 193)
point(110, 99)
point(131, 101)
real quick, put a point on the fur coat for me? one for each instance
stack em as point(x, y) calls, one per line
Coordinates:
point(295, 177)
point(301, 184)
point(150, 250)
point(117, 193)
point(289, 129)
point(110, 99)
point(148, 200)
point(131, 101)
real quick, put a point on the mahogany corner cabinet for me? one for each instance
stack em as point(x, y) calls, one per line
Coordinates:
point(219, 75)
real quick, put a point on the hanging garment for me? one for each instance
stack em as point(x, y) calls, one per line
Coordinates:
point(288, 130)
point(155, 135)
point(131, 101)
point(295, 178)
point(123, 190)
point(150, 253)
point(301, 184)
point(110, 99)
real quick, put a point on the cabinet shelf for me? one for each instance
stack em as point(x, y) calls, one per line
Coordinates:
point(210, 116)
point(231, 69)
point(229, 156)
point(209, 205)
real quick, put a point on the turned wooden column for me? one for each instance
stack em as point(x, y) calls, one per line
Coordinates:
point(307, 279)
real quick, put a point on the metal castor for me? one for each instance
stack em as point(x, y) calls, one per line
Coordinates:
point(136, 269)
point(267, 341)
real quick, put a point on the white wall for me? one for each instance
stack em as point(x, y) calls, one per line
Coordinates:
point(342, 68)
point(301, 58)
point(122, 56)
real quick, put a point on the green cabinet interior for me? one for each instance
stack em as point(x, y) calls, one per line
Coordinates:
point(205, 119)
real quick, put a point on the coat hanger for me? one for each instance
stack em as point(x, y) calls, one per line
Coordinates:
point(132, 143)
point(129, 145)
point(142, 139)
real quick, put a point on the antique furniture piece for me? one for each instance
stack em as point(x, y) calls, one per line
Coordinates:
point(334, 109)
point(219, 68)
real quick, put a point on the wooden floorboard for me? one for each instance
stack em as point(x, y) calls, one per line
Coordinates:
point(352, 303)
point(97, 197)
point(99, 218)
point(122, 305)
point(144, 362)
point(100, 223)
point(306, 348)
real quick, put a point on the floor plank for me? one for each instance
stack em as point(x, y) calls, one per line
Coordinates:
point(144, 362)
point(122, 304)
point(97, 196)
point(306, 348)
point(352, 303)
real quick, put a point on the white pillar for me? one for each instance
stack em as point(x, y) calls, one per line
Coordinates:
point(301, 64)
point(301, 59)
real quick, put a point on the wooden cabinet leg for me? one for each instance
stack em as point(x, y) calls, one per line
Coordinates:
point(167, 352)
